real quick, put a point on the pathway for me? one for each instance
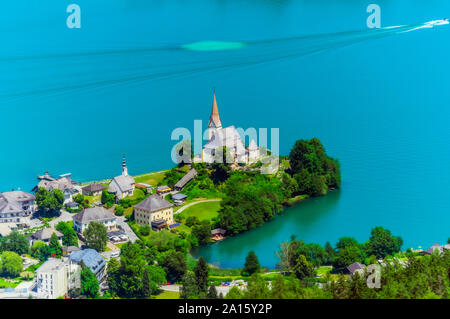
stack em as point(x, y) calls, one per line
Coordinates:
point(194, 203)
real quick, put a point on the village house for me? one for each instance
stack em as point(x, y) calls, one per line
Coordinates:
point(226, 137)
point(64, 183)
point(97, 214)
point(16, 205)
point(179, 199)
point(91, 259)
point(163, 189)
point(155, 212)
point(123, 185)
point(185, 179)
point(51, 279)
point(44, 235)
point(356, 268)
point(94, 189)
point(435, 247)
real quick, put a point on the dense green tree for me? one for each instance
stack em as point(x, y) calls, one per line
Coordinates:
point(347, 256)
point(381, 243)
point(108, 199)
point(89, 283)
point(314, 253)
point(40, 250)
point(70, 237)
point(331, 253)
point(257, 288)
point(173, 176)
point(202, 232)
point(212, 292)
point(201, 276)
point(119, 210)
point(113, 276)
point(290, 185)
point(95, 236)
point(54, 245)
point(49, 202)
point(303, 268)
point(251, 265)
point(156, 277)
point(174, 265)
point(234, 293)
point(314, 171)
point(146, 289)
point(250, 199)
point(15, 242)
point(221, 165)
point(189, 290)
point(10, 264)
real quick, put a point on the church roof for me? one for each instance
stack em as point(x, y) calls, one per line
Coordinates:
point(124, 182)
point(214, 120)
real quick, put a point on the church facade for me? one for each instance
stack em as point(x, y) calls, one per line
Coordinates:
point(228, 137)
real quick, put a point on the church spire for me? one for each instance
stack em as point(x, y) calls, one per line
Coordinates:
point(124, 166)
point(214, 120)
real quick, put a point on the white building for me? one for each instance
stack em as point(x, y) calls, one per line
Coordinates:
point(97, 214)
point(123, 185)
point(15, 205)
point(51, 279)
point(228, 137)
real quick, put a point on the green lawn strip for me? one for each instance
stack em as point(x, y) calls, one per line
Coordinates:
point(151, 178)
point(165, 294)
point(205, 210)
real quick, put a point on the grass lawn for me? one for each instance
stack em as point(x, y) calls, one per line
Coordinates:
point(164, 294)
point(150, 178)
point(6, 283)
point(206, 210)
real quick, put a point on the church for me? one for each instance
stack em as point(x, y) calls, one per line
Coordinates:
point(228, 137)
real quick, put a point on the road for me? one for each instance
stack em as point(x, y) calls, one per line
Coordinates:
point(126, 228)
point(194, 203)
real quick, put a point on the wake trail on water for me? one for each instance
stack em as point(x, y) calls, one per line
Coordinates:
point(56, 75)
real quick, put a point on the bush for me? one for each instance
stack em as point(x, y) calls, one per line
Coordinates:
point(119, 210)
point(144, 230)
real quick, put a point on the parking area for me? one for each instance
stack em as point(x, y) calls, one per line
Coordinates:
point(118, 236)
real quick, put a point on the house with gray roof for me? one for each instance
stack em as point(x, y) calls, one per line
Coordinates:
point(44, 235)
point(91, 259)
point(64, 183)
point(94, 189)
point(154, 211)
point(186, 179)
point(16, 205)
point(356, 268)
point(96, 214)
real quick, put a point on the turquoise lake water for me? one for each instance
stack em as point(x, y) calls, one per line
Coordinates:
point(75, 100)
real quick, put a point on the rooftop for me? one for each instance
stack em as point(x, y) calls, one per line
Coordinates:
point(90, 257)
point(52, 264)
point(96, 187)
point(153, 203)
point(93, 214)
point(186, 178)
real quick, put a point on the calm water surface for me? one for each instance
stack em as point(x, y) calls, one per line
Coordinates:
point(380, 106)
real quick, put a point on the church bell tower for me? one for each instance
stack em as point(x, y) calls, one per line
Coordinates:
point(214, 120)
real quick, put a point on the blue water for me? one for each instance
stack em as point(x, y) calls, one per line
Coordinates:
point(380, 106)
